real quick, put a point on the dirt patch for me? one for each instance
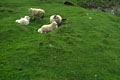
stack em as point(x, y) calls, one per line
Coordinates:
point(5, 10)
point(106, 6)
point(64, 20)
point(68, 3)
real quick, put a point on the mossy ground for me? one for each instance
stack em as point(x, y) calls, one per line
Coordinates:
point(80, 49)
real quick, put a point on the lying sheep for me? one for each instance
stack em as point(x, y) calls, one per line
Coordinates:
point(37, 12)
point(56, 18)
point(24, 21)
point(48, 28)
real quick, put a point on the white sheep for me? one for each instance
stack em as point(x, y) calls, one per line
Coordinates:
point(24, 21)
point(37, 12)
point(56, 18)
point(48, 28)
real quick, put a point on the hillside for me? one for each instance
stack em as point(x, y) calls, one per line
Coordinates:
point(85, 47)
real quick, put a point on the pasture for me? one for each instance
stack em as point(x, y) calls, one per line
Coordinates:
point(80, 49)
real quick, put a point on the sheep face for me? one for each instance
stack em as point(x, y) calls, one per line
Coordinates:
point(27, 17)
point(54, 23)
point(30, 10)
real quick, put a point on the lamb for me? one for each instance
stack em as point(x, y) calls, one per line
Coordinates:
point(37, 12)
point(56, 18)
point(48, 28)
point(24, 21)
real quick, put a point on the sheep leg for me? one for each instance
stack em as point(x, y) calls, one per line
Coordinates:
point(42, 17)
point(39, 17)
point(33, 17)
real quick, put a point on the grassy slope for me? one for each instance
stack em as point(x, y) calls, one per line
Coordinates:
point(82, 49)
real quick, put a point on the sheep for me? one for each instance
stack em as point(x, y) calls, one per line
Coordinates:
point(48, 28)
point(37, 12)
point(24, 21)
point(56, 18)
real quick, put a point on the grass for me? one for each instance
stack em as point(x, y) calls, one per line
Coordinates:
point(81, 49)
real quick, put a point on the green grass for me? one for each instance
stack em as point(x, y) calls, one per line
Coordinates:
point(81, 49)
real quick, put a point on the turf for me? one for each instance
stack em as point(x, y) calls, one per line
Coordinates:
point(80, 49)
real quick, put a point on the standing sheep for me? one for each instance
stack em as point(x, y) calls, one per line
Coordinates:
point(48, 28)
point(24, 21)
point(56, 18)
point(37, 12)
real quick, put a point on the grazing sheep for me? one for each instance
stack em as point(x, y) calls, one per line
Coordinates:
point(48, 28)
point(24, 21)
point(37, 12)
point(56, 18)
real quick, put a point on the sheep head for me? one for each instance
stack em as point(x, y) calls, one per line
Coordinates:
point(30, 10)
point(27, 17)
point(54, 23)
